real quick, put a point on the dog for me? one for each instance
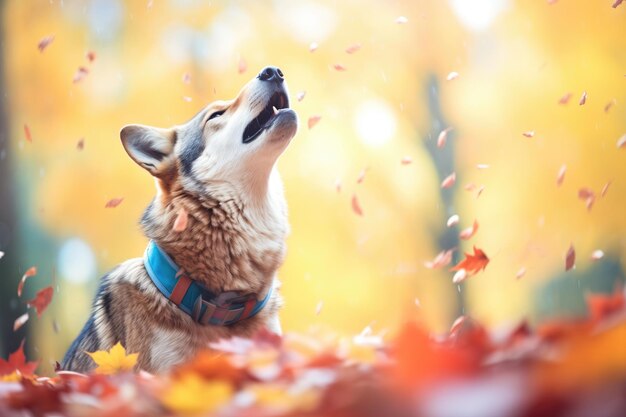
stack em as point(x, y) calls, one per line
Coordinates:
point(217, 277)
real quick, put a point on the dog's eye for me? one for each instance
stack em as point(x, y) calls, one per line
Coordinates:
point(216, 114)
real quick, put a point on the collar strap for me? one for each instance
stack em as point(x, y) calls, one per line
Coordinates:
point(204, 306)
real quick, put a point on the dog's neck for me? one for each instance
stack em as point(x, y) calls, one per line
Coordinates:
point(230, 243)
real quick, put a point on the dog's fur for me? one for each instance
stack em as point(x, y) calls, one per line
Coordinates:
point(234, 239)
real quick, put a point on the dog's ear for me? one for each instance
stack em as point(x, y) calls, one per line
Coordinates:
point(151, 147)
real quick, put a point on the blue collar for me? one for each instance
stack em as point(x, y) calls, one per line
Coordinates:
point(204, 306)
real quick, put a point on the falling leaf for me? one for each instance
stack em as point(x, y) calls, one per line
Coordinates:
point(81, 144)
point(570, 258)
point(401, 20)
point(621, 142)
point(442, 259)
point(30, 272)
point(605, 188)
point(114, 360)
point(406, 160)
point(41, 300)
point(356, 207)
point(318, 308)
point(453, 220)
point(187, 99)
point(300, 95)
point(91, 56)
point(242, 66)
point(480, 191)
point(17, 362)
point(114, 202)
point(29, 138)
point(186, 78)
point(473, 262)
point(180, 223)
point(449, 181)
point(313, 46)
point(529, 133)
point(588, 196)
point(470, 187)
point(313, 121)
point(361, 176)
point(443, 137)
point(20, 321)
point(338, 185)
point(561, 175)
point(482, 166)
point(460, 276)
point(339, 67)
point(353, 48)
point(1, 254)
point(452, 76)
point(44, 42)
point(192, 395)
point(616, 3)
point(609, 105)
point(597, 254)
point(469, 232)
point(565, 99)
point(604, 305)
point(80, 74)
point(583, 99)
point(520, 273)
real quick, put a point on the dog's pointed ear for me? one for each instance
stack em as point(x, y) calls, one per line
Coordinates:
point(151, 147)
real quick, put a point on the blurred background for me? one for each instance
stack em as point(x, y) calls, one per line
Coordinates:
point(386, 77)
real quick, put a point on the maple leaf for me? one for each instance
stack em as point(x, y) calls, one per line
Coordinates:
point(192, 395)
point(114, 360)
point(17, 363)
point(473, 262)
point(41, 300)
point(30, 272)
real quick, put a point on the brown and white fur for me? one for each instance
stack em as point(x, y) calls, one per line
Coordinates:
point(235, 235)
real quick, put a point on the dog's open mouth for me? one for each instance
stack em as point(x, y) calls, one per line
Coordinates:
point(264, 120)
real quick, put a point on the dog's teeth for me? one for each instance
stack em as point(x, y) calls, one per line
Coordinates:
point(275, 110)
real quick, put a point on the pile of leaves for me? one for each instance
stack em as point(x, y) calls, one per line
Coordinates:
point(561, 368)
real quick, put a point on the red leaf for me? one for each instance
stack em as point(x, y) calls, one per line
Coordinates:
point(570, 258)
point(604, 305)
point(443, 137)
point(41, 300)
point(473, 263)
point(353, 48)
point(20, 321)
point(91, 56)
point(242, 66)
point(529, 133)
point(17, 362)
point(80, 74)
point(313, 121)
point(583, 99)
point(180, 223)
point(449, 181)
point(469, 232)
point(565, 99)
point(442, 259)
point(339, 67)
point(30, 272)
point(114, 202)
point(561, 175)
point(44, 42)
point(27, 134)
point(356, 207)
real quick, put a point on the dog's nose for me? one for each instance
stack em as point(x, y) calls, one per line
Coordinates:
point(271, 74)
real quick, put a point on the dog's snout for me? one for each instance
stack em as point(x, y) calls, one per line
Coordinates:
point(271, 74)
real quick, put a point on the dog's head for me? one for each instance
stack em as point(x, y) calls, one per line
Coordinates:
point(233, 144)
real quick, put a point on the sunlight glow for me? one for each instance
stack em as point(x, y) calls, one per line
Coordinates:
point(77, 262)
point(375, 123)
point(478, 15)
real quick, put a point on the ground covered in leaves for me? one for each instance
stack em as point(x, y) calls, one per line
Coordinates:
point(561, 368)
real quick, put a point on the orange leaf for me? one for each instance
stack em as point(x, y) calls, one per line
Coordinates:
point(29, 137)
point(41, 300)
point(469, 232)
point(114, 360)
point(17, 362)
point(356, 207)
point(473, 262)
point(91, 56)
point(114, 202)
point(561, 175)
point(339, 67)
point(30, 272)
point(313, 121)
point(604, 305)
point(565, 99)
point(583, 99)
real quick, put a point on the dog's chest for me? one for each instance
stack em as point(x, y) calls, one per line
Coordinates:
point(169, 347)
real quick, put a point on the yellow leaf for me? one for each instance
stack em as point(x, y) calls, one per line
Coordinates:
point(192, 395)
point(114, 360)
